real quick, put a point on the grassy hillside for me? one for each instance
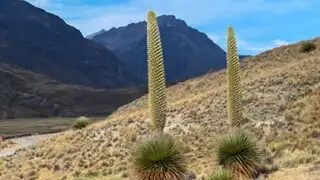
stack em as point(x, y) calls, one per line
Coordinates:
point(282, 104)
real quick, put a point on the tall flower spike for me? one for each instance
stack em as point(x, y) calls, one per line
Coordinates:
point(156, 76)
point(234, 84)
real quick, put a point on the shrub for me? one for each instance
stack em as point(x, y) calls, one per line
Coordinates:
point(81, 122)
point(307, 47)
point(239, 153)
point(159, 158)
point(221, 174)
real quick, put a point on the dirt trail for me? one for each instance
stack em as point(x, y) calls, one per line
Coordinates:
point(23, 142)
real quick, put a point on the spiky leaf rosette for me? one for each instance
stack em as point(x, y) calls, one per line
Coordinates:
point(221, 174)
point(239, 153)
point(156, 76)
point(159, 158)
point(234, 85)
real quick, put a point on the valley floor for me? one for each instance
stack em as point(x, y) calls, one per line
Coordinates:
point(30, 126)
point(23, 142)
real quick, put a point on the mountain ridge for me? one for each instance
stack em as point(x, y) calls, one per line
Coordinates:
point(187, 51)
point(25, 94)
point(43, 43)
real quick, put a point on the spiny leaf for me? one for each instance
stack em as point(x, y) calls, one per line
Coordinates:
point(239, 152)
point(221, 174)
point(159, 158)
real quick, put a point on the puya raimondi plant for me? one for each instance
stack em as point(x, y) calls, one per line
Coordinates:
point(234, 82)
point(156, 75)
point(159, 157)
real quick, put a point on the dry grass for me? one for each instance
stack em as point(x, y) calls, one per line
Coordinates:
point(6, 144)
point(282, 92)
point(304, 172)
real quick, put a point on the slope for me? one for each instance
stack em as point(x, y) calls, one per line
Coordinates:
point(43, 43)
point(27, 94)
point(282, 101)
point(187, 52)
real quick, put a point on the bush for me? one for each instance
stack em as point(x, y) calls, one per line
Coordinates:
point(307, 47)
point(221, 174)
point(159, 158)
point(239, 153)
point(81, 122)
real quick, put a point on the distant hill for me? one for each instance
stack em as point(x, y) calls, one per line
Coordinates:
point(242, 57)
point(95, 34)
point(187, 52)
point(43, 43)
point(27, 94)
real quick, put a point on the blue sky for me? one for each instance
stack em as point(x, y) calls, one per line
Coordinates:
point(259, 24)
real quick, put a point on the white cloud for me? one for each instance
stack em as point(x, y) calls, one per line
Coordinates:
point(106, 22)
point(260, 47)
point(279, 42)
point(40, 3)
point(245, 46)
point(215, 37)
point(90, 18)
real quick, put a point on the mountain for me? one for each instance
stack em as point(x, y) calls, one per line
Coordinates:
point(95, 34)
point(281, 101)
point(27, 94)
point(187, 52)
point(242, 57)
point(43, 43)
